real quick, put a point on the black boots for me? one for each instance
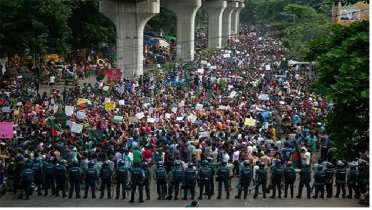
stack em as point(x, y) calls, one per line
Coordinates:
point(239, 194)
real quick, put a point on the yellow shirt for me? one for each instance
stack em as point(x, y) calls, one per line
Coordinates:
point(274, 134)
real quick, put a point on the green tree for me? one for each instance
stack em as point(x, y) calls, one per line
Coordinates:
point(343, 64)
point(165, 20)
point(247, 13)
point(89, 27)
point(22, 21)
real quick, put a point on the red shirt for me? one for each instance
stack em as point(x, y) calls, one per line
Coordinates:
point(147, 154)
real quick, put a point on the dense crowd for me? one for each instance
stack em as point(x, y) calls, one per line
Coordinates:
point(235, 113)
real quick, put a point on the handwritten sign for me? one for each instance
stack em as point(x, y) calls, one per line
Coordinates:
point(77, 128)
point(6, 130)
point(6, 109)
point(109, 106)
point(249, 121)
point(263, 97)
point(150, 120)
point(140, 115)
point(121, 102)
point(69, 110)
point(80, 115)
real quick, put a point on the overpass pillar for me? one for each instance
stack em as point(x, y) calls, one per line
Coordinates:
point(214, 10)
point(130, 19)
point(235, 18)
point(226, 19)
point(185, 12)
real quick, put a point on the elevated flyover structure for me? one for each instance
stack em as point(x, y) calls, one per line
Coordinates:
point(131, 16)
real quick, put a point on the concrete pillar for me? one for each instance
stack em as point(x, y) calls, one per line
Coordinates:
point(214, 9)
point(185, 12)
point(130, 19)
point(235, 18)
point(226, 19)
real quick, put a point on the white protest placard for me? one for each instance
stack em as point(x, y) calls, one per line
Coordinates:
point(237, 40)
point(281, 102)
point(232, 94)
point(80, 115)
point(140, 115)
point(211, 109)
point(179, 118)
point(222, 107)
point(120, 90)
point(69, 110)
point(267, 67)
point(156, 119)
point(193, 118)
point(19, 104)
point(107, 100)
point(150, 120)
point(238, 52)
point(105, 88)
point(121, 102)
point(77, 128)
point(200, 71)
point(204, 62)
point(167, 115)
point(263, 97)
point(52, 101)
point(213, 67)
point(199, 107)
point(226, 55)
point(181, 104)
point(69, 123)
point(174, 109)
point(6, 109)
point(55, 108)
point(151, 110)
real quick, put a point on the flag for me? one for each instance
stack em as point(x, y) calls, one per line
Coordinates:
point(190, 66)
point(109, 92)
point(63, 118)
point(225, 84)
point(53, 127)
point(172, 105)
point(208, 96)
point(199, 93)
point(83, 106)
point(97, 134)
point(296, 156)
point(102, 74)
point(146, 100)
point(185, 87)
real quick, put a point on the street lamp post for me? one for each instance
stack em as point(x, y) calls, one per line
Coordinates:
point(293, 15)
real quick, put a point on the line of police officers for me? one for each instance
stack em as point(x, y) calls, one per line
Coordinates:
point(140, 177)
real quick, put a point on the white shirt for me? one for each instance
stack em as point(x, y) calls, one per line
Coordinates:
point(226, 157)
point(51, 79)
point(254, 171)
point(307, 158)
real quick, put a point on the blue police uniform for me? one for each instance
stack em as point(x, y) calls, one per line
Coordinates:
point(60, 176)
point(161, 182)
point(49, 169)
point(106, 177)
point(245, 181)
point(74, 178)
point(19, 167)
point(178, 175)
point(137, 181)
point(190, 176)
point(277, 180)
point(146, 182)
point(289, 179)
point(305, 179)
point(121, 180)
point(27, 176)
point(91, 176)
point(213, 172)
point(38, 176)
point(204, 177)
point(223, 177)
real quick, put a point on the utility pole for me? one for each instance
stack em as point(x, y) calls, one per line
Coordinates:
point(292, 15)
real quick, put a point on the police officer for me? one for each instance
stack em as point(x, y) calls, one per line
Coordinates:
point(26, 178)
point(38, 174)
point(49, 171)
point(176, 177)
point(211, 166)
point(204, 177)
point(245, 176)
point(305, 179)
point(91, 176)
point(289, 178)
point(363, 174)
point(147, 182)
point(19, 166)
point(137, 178)
point(340, 179)
point(261, 177)
point(320, 178)
point(190, 179)
point(276, 178)
point(223, 176)
point(160, 176)
point(121, 177)
point(106, 175)
point(60, 176)
point(352, 178)
point(329, 179)
point(74, 176)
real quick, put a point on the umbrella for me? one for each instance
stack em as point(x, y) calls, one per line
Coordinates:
point(172, 37)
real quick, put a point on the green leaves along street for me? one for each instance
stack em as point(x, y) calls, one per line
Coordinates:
point(343, 63)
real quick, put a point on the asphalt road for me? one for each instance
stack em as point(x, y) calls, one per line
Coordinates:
point(10, 200)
